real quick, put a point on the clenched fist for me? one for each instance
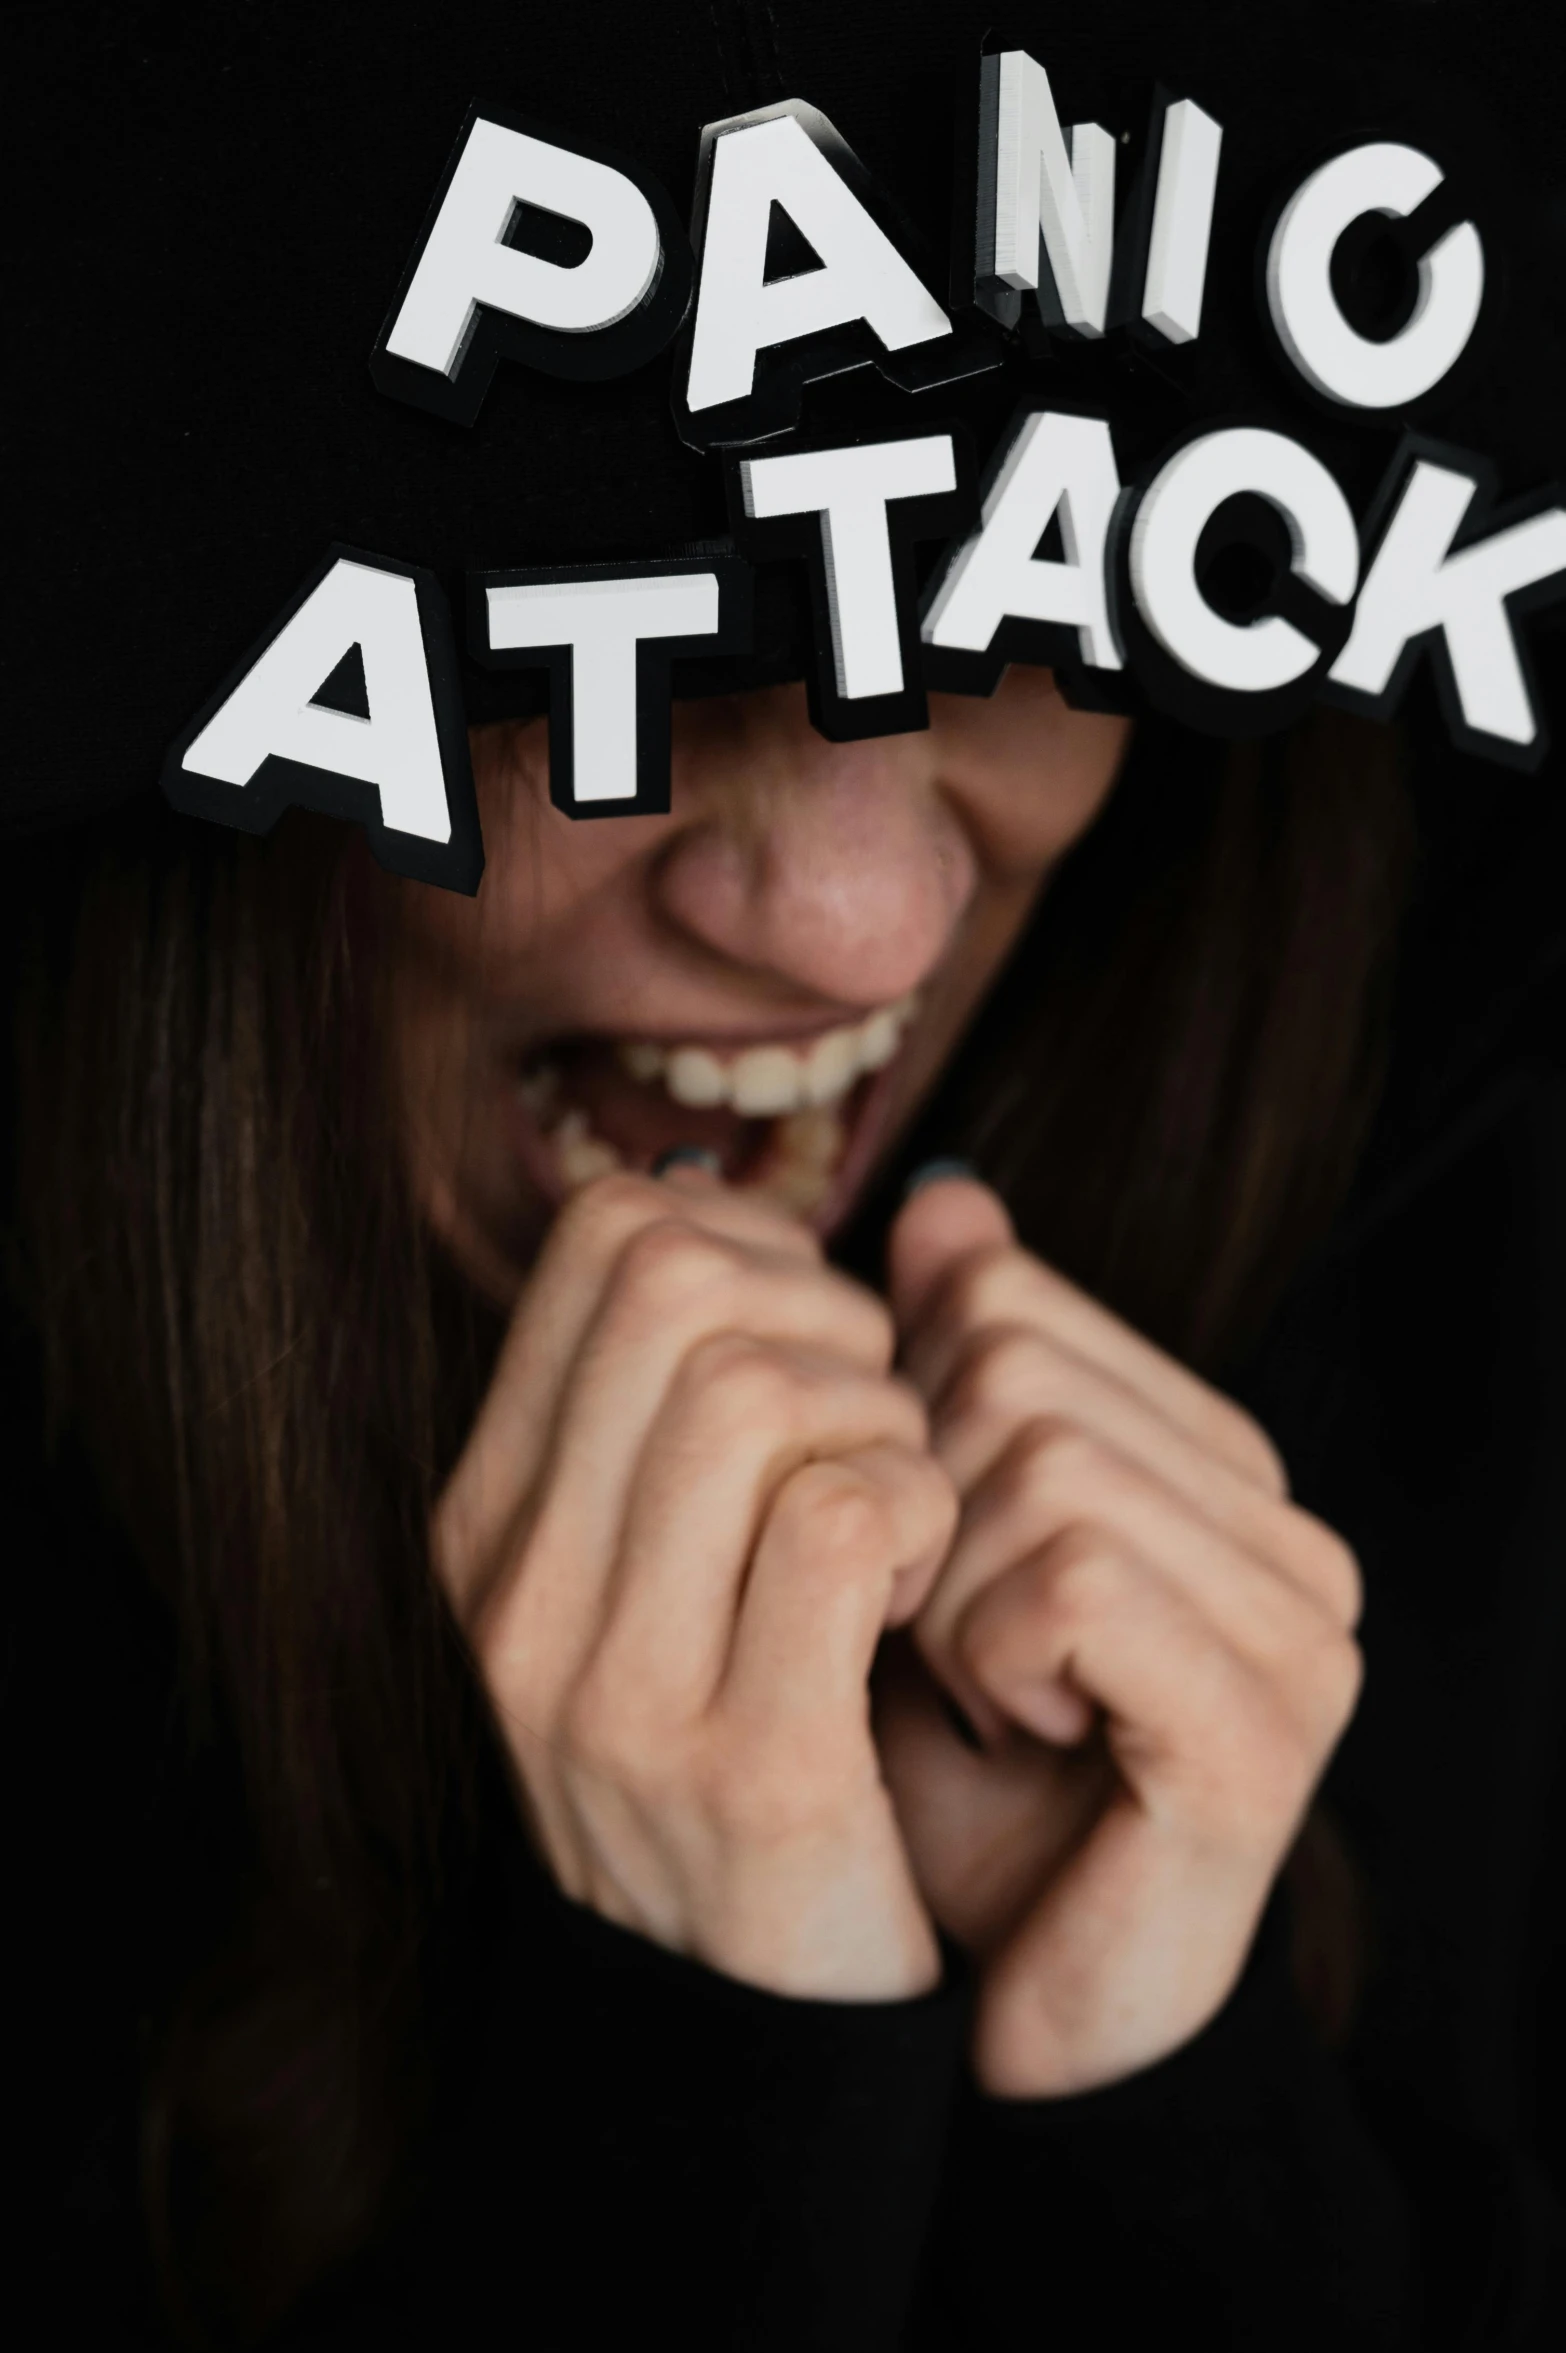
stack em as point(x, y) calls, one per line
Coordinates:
point(1155, 1647)
point(695, 1498)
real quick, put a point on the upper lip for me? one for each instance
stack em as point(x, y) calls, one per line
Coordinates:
point(716, 1041)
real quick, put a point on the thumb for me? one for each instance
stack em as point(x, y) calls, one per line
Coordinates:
point(946, 1217)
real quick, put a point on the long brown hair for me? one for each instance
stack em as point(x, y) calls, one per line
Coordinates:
point(271, 1370)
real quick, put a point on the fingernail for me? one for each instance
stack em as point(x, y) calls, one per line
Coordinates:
point(937, 1172)
point(687, 1156)
point(1062, 1717)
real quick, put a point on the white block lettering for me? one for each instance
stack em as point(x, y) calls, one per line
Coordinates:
point(851, 489)
point(1356, 369)
point(1262, 655)
point(1417, 586)
point(1057, 465)
point(270, 713)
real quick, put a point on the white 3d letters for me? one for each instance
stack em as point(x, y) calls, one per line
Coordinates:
point(465, 262)
point(602, 621)
point(1259, 656)
point(1058, 464)
point(1182, 222)
point(850, 489)
point(270, 713)
point(862, 275)
point(1416, 585)
point(1357, 369)
point(1042, 197)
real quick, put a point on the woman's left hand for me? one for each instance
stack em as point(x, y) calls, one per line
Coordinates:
point(1154, 1646)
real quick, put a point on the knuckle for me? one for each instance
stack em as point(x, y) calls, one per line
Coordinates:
point(981, 1284)
point(1077, 1574)
point(604, 1212)
point(1049, 1456)
point(668, 1265)
point(1334, 1569)
point(846, 1517)
point(1338, 1677)
point(1249, 1442)
point(1065, 1588)
point(743, 1382)
point(1007, 1370)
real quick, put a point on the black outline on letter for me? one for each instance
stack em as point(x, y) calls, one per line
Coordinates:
point(783, 370)
point(495, 335)
point(1482, 521)
point(941, 515)
point(280, 784)
point(654, 657)
point(1042, 645)
point(1167, 684)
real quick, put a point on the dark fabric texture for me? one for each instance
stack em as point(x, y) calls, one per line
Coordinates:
point(220, 200)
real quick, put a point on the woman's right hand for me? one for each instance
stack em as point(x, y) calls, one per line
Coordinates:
point(694, 1499)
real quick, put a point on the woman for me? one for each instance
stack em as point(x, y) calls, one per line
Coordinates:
point(652, 1732)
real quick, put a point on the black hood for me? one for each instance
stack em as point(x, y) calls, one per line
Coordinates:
point(215, 206)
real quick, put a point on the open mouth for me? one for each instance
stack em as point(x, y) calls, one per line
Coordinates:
point(796, 1121)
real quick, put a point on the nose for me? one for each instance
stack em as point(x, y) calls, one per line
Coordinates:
point(840, 869)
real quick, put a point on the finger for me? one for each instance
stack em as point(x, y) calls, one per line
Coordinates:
point(675, 1286)
point(849, 1546)
point(983, 1832)
point(1197, 1734)
point(1009, 1376)
point(1001, 1286)
point(740, 1418)
point(590, 1236)
point(1053, 1480)
point(738, 1211)
point(516, 1424)
point(944, 1221)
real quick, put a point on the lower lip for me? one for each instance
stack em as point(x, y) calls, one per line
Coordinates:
point(541, 1167)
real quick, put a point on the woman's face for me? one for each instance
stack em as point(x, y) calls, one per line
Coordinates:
point(776, 971)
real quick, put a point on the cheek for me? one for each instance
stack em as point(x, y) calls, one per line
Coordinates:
point(542, 870)
point(1032, 774)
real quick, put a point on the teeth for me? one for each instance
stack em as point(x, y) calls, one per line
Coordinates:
point(696, 1078)
point(765, 1081)
point(797, 1088)
point(832, 1067)
point(878, 1040)
point(582, 1154)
